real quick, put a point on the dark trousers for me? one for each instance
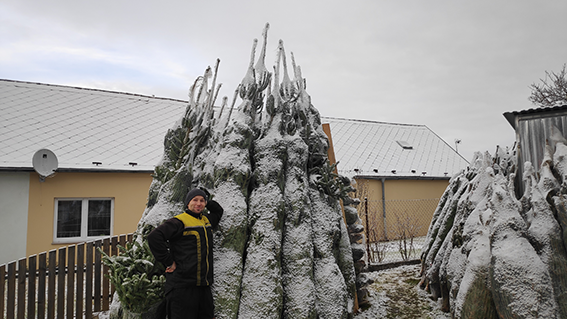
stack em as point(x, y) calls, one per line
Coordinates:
point(190, 303)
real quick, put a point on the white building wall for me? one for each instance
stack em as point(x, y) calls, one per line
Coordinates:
point(14, 196)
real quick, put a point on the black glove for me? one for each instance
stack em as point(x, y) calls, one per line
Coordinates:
point(206, 193)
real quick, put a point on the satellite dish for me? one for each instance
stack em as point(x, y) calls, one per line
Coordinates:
point(44, 163)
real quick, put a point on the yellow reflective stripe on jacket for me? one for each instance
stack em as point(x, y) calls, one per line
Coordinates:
point(196, 234)
point(207, 259)
point(192, 225)
point(190, 221)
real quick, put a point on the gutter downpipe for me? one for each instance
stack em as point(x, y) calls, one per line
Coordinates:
point(383, 179)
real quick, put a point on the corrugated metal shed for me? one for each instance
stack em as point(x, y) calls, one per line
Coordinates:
point(83, 126)
point(540, 112)
point(533, 128)
point(391, 150)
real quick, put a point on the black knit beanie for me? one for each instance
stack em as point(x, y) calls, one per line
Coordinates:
point(193, 193)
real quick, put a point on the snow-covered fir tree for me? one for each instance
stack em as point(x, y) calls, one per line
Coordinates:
point(282, 249)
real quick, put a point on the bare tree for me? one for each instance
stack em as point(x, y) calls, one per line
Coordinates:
point(552, 91)
point(407, 227)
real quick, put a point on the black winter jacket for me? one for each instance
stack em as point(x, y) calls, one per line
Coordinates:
point(187, 239)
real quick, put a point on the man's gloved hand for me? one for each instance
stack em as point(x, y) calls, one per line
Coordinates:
point(206, 193)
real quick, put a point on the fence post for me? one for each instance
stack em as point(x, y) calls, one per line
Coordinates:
point(367, 229)
point(80, 276)
point(22, 268)
point(384, 207)
point(10, 312)
point(105, 280)
point(89, 281)
point(42, 270)
point(32, 268)
point(52, 262)
point(70, 280)
point(114, 252)
point(2, 285)
point(62, 254)
point(97, 277)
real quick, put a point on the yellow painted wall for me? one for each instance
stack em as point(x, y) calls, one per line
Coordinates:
point(410, 205)
point(129, 190)
point(407, 189)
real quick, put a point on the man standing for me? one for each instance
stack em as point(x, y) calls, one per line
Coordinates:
point(184, 244)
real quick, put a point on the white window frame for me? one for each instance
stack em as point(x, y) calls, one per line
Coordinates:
point(84, 219)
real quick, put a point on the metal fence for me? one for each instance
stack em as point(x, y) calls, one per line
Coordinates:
point(396, 229)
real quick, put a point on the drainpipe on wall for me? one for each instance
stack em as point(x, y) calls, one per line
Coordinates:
point(384, 206)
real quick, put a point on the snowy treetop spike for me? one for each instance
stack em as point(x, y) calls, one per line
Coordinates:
point(248, 84)
point(262, 74)
point(288, 89)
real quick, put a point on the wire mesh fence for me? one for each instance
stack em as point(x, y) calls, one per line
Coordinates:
point(396, 229)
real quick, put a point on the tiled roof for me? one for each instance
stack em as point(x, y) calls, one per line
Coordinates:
point(82, 126)
point(410, 150)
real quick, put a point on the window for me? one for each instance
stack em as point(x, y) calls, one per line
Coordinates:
point(81, 219)
point(405, 145)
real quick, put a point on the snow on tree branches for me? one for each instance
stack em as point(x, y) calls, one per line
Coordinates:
point(282, 249)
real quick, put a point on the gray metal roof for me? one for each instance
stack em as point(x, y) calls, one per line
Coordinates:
point(412, 151)
point(82, 126)
point(538, 112)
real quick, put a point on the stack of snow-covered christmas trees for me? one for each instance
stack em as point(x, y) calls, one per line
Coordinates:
point(282, 249)
point(489, 254)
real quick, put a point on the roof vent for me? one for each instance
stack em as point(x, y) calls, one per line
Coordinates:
point(423, 173)
point(413, 171)
point(393, 171)
point(132, 164)
point(97, 163)
point(405, 145)
point(375, 170)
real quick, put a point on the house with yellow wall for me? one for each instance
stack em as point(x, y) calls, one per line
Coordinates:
point(106, 146)
point(400, 172)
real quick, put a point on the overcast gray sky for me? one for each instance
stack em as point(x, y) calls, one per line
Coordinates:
point(454, 66)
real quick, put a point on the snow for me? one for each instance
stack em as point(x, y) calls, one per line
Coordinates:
point(297, 246)
point(512, 250)
point(395, 294)
point(161, 211)
point(281, 248)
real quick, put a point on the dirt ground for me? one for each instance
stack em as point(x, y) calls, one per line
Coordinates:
point(395, 294)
